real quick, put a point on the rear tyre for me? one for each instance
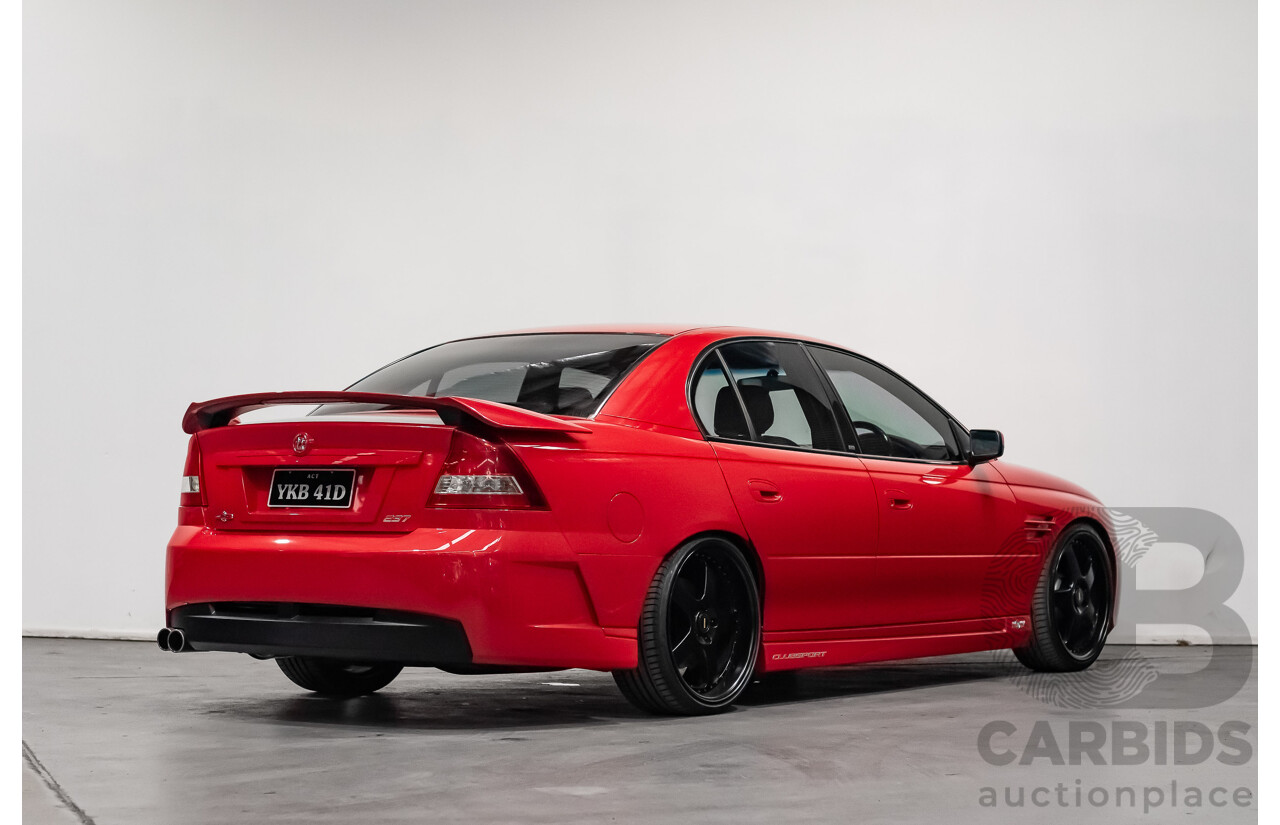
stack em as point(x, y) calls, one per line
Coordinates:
point(332, 677)
point(1072, 605)
point(629, 683)
point(699, 632)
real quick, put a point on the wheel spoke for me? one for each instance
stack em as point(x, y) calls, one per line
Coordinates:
point(1061, 606)
point(722, 670)
point(716, 591)
point(685, 597)
point(708, 585)
point(1090, 619)
point(1069, 628)
point(704, 666)
point(1081, 633)
point(681, 650)
point(690, 668)
point(1073, 564)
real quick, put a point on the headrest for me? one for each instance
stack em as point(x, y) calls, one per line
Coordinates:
point(729, 422)
point(759, 407)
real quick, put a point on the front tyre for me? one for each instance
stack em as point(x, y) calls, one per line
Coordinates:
point(331, 677)
point(1071, 610)
point(699, 632)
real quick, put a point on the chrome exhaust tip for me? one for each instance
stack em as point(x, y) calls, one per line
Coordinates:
point(177, 641)
point(162, 639)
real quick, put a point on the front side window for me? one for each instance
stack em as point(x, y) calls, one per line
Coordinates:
point(890, 418)
point(558, 374)
point(775, 396)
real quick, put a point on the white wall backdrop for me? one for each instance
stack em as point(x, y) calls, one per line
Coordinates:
point(1044, 214)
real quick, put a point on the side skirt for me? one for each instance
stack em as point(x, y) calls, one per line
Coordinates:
point(791, 650)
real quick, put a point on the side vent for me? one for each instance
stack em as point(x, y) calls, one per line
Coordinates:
point(1039, 526)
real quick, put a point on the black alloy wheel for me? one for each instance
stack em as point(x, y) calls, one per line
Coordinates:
point(699, 632)
point(1071, 610)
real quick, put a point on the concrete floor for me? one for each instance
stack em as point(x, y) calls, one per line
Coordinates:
point(117, 732)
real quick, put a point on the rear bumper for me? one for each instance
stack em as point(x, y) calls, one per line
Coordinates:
point(516, 597)
point(290, 629)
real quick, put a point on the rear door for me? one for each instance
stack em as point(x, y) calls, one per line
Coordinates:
point(942, 521)
point(808, 506)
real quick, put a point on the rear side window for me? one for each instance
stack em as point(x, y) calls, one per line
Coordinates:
point(558, 374)
point(776, 397)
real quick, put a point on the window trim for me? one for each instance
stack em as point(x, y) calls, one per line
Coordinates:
point(737, 393)
point(844, 421)
point(833, 397)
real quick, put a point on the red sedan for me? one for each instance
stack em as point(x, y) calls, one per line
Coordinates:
point(687, 508)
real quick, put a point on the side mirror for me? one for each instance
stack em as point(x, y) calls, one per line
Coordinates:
point(985, 445)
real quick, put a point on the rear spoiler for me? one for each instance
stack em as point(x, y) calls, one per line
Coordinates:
point(205, 415)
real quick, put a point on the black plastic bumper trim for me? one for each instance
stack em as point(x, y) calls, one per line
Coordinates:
point(329, 631)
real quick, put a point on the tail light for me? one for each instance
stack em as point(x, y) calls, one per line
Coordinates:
point(480, 473)
point(192, 490)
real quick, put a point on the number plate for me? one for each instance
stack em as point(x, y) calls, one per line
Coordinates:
point(331, 489)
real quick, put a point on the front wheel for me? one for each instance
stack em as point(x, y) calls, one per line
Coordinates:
point(1071, 610)
point(699, 632)
point(331, 677)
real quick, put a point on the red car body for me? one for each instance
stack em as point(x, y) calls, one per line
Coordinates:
point(857, 557)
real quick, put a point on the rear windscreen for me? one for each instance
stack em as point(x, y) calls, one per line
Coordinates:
point(559, 374)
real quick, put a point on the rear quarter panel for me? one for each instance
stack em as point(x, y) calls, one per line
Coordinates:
point(624, 497)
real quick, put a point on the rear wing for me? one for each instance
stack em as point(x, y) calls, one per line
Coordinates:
point(205, 415)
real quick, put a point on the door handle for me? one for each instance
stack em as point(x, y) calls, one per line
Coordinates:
point(763, 490)
point(897, 500)
point(932, 479)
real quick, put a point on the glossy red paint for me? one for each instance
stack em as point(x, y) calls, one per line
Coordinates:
point(820, 570)
point(857, 558)
point(935, 549)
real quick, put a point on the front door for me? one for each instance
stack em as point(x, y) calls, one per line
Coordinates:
point(940, 528)
point(942, 521)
